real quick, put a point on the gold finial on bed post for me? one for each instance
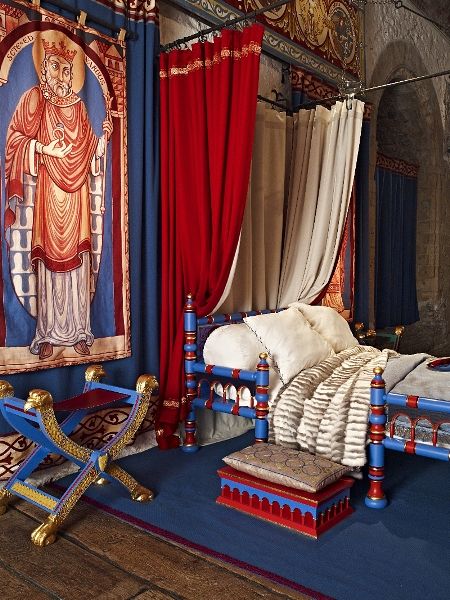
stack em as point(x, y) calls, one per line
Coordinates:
point(378, 381)
point(189, 305)
point(360, 334)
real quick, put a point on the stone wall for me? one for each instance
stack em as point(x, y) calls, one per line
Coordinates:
point(386, 26)
point(412, 122)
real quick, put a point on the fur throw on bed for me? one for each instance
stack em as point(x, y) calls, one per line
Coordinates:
point(325, 409)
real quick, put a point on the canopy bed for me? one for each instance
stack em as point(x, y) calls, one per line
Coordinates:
point(307, 383)
point(204, 203)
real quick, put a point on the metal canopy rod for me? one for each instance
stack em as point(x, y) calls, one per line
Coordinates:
point(76, 13)
point(410, 80)
point(358, 92)
point(274, 103)
point(227, 23)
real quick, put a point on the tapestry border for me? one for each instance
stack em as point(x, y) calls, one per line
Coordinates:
point(397, 165)
point(137, 10)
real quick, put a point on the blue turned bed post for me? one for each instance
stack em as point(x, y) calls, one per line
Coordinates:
point(262, 399)
point(377, 418)
point(193, 396)
point(190, 356)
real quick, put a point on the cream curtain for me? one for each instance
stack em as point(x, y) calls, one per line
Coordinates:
point(254, 283)
point(254, 277)
point(324, 153)
point(309, 159)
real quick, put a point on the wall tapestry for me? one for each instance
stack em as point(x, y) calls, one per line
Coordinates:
point(64, 289)
point(323, 36)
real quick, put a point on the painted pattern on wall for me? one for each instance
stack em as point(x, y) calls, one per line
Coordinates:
point(322, 36)
point(330, 28)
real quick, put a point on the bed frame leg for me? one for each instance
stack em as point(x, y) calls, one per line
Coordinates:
point(376, 497)
point(190, 439)
point(262, 400)
point(190, 356)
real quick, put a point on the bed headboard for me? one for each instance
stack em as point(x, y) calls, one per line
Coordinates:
point(203, 326)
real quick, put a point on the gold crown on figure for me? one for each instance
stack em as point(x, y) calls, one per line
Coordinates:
point(51, 49)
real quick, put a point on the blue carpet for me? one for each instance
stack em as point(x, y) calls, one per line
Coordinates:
point(401, 552)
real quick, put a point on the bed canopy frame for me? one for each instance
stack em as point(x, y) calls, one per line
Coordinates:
point(350, 89)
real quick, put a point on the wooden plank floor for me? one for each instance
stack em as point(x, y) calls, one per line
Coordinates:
point(97, 556)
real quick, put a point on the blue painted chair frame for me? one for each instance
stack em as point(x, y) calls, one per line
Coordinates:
point(35, 418)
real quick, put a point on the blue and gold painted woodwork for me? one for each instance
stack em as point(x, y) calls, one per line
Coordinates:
point(200, 391)
point(379, 440)
point(35, 418)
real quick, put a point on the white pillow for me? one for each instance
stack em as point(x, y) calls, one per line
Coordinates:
point(233, 346)
point(236, 346)
point(329, 323)
point(290, 341)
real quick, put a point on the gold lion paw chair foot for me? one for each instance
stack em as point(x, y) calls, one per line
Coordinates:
point(35, 418)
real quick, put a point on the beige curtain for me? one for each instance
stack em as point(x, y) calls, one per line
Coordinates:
point(324, 153)
point(254, 282)
point(310, 159)
point(254, 277)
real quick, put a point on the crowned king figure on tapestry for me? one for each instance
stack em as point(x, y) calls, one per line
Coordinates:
point(64, 245)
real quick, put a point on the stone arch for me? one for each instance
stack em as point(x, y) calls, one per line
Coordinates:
point(401, 60)
point(413, 110)
point(399, 123)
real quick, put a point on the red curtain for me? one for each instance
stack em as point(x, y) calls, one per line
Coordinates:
point(208, 107)
point(340, 290)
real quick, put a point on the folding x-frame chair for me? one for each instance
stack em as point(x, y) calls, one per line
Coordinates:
point(35, 418)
